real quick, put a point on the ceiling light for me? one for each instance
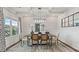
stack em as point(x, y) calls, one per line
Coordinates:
point(39, 8)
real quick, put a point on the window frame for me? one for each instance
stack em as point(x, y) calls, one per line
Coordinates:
point(11, 26)
point(73, 20)
point(15, 26)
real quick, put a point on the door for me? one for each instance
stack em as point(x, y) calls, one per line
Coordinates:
point(37, 27)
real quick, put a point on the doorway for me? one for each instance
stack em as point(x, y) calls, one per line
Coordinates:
point(37, 27)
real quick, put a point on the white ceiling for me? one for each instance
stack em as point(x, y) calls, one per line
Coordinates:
point(43, 9)
point(39, 12)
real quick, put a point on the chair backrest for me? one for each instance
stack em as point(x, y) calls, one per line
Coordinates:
point(35, 37)
point(44, 37)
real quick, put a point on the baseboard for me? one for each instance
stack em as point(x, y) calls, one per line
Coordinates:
point(13, 44)
point(69, 46)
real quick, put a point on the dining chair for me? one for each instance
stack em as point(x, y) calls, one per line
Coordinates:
point(44, 37)
point(57, 38)
point(35, 37)
point(23, 40)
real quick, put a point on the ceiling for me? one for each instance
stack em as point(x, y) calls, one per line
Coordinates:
point(40, 9)
point(39, 12)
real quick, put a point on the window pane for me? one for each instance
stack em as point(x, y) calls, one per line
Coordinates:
point(62, 23)
point(14, 27)
point(38, 21)
point(71, 20)
point(76, 19)
point(66, 22)
point(42, 27)
point(14, 23)
point(7, 26)
point(7, 21)
point(37, 27)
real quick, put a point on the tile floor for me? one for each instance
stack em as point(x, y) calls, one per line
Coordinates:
point(41, 48)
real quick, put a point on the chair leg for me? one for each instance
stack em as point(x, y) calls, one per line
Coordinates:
point(41, 42)
point(21, 43)
point(32, 42)
point(49, 42)
point(37, 43)
point(57, 41)
point(28, 42)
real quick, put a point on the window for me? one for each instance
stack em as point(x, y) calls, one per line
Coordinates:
point(76, 19)
point(10, 27)
point(39, 24)
point(37, 27)
point(62, 23)
point(70, 21)
point(42, 27)
point(14, 27)
point(66, 22)
point(7, 27)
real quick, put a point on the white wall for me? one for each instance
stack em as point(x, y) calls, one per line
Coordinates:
point(51, 24)
point(69, 35)
point(12, 39)
point(27, 22)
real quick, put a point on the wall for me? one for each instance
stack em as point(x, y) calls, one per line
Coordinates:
point(27, 22)
point(12, 39)
point(69, 35)
point(50, 25)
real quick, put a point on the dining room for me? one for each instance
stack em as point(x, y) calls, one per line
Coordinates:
point(40, 29)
